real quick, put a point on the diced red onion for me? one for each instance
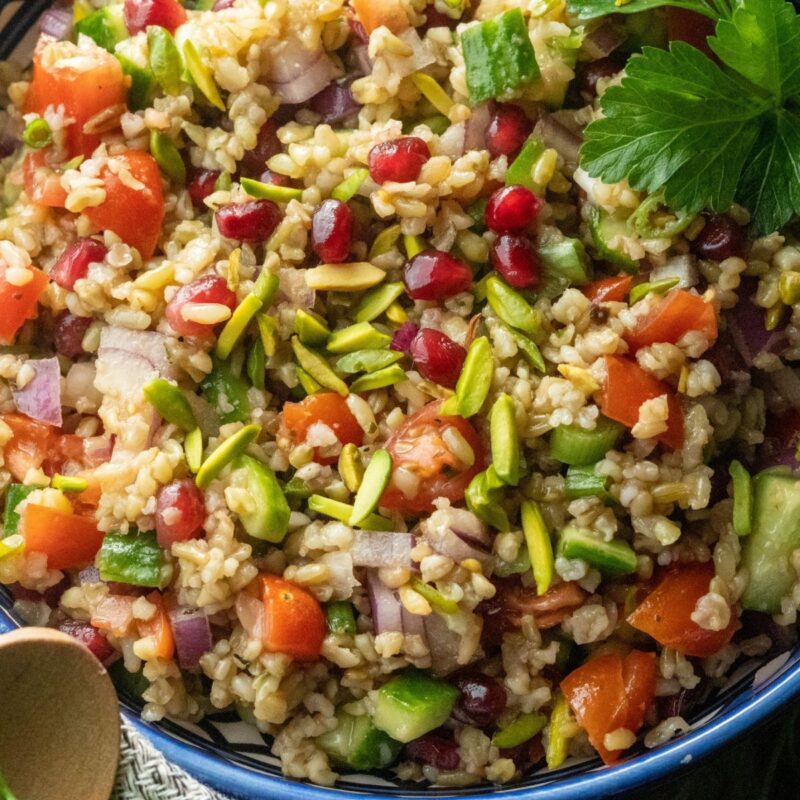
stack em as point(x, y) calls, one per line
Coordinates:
point(40, 398)
point(746, 325)
point(684, 268)
point(382, 549)
point(604, 40)
point(476, 127)
point(56, 22)
point(250, 611)
point(297, 74)
point(448, 543)
point(92, 638)
point(89, 575)
point(340, 574)
point(443, 644)
point(150, 345)
point(192, 633)
point(335, 103)
point(469, 528)
point(566, 143)
point(387, 611)
point(403, 336)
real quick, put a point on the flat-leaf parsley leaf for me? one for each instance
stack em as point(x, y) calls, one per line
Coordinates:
point(592, 9)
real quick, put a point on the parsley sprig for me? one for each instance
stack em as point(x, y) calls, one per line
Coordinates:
point(591, 9)
point(708, 133)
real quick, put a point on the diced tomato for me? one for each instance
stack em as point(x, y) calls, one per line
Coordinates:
point(609, 290)
point(328, 408)
point(374, 13)
point(158, 627)
point(42, 180)
point(627, 386)
point(134, 213)
point(114, 614)
point(68, 540)
point(672, 317)
point(666, 613)
point(29, 446)
point(18, 303)
point(611, 692)
point(418, 447)
point(84, 80)
point(294, 622)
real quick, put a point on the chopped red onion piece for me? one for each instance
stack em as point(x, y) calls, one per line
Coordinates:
point(150, 345)
point(403, 336)
point(382, 549)
point(40, 398)
point(387, 611)
point(92, 638)
point(476, 126)
point(746, 325)
point(89, 575)
point(446, 542)
point(335, 103)
point(97, 450)
point(56, 22)
point(192, 632)
point(557, 136)
point(297, 74)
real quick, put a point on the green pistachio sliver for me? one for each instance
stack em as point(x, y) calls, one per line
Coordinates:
point(202, 75)
point(318, 368)
point(446, 605)
point(349, 187)
point(367, 361)
point(37, 134)
point(350, 467)
point(342, 511)
point(69, 483)
point(311, 328)
point(223, 183)
point(360, 336)
point(225, 453)
point(310, 386)
point(641, 290)
point(522, 729)
point(540, 546)
point(379, 379)
point(193, 448)
point(236, 326)
point(165, 58)
point(505, 440)
point(266, 287)
point(474, 382)
point(385, 241)
point(413, 245)
point(483, 499)
point(268, 331)
point(270, 191)
point(431, 89)
point(167, 156)
point(438, 124)
point(512, 307)
point(171, 403)
point(473, 247)
point(12, 545)
point(377, 300)
point(256, 364)
point(376, 479)
point(529, 348)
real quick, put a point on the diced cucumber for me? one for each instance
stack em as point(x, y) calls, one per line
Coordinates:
point(412, 704)
point(611, 558)
point(564, 264)
point(134, 558)
point(774, 536)
point(604, 228)
point(340, 617)
point(106, 26)
point(578, 447)
point(357, 743)
point(269, 519)
point(15, 494)
point(143, 83)
point(742, 499)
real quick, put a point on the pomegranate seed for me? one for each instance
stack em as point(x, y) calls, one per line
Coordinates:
point(435, 19)
point(332, 231)
point(437, 357)
point(435, 275)
point(268, 176)
point(720, 238)
point(403, 336)
point(68, 334)
point(51, 595)
point(139, 14)
point(99, 646)
point(180, 512)
point(399, 160)
point(514, 257)
point(208, 289)
point(251, 221)
point(602, 68)
point(482, 700)
point(73, 264)
point(512, 209)
point(267, 145)
point(508, 130)
point(201, 186)
point(434, 749)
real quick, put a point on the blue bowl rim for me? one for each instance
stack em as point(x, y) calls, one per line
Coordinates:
point(648, 767)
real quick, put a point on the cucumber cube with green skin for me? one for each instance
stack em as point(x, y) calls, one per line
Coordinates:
point(604, 228)
point(412, 704)
point(564, 264)
point(15, 494)
point(134, 558)
point(105, 26)
point(143, 83)
point(612, 558)
point(775, 534)
point(268, 518)
point(357, 743)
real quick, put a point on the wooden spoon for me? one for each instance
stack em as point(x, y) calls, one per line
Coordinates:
point(59, 728)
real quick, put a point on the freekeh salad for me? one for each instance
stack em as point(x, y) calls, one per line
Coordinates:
point(416, 380)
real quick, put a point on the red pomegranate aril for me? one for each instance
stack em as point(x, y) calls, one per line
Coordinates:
point(435, 275)
point(73, 264)
point(267, 145)
point(398, 160)
point(508, 129)
point(250, 221)
point(332, 231)
point(594, 71)
point(208, 289)
point(515, 258)
point(403, 336)
point(482, 700)
point(180, 512)
point(201, 186)
point(139, 14)
point(437, 357)
point(68, 334)
point(512, 209)
point(275, 178)
point(720, 238)
point(87, 635)
point(434, 749)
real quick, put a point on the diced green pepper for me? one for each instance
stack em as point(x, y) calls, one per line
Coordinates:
point(571, 444)
point(37, 134)
point(520, 730)
point(611, 558)
point(15, 494)
point(604, 228)
point(269, 517)
point(143, 84)
point(341, 618)
point(742, 499)
point(564, 264)
point(227, 393)
point(134, 558)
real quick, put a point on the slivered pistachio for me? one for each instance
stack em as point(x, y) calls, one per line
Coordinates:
point(257, 364)
point(512, 307)
point(473, 247)
point(234, 262)
point(774, 316)
point(268, 331)
point(170, 401)
point(522, 729)
point(641, 290)
point(69, 483)
point(385, 241)
point(223, 183)
point(164, 58)
point(236, 326)
point(361, 336)
point(437, 96)
point(413, 245)
point(311, 328)
point(474, 382)
point(193, 448)
point(529, 348)
point(225, 453)
point(483, 499)
point(310, 386)
point(167, 156)
point(342, 511)
point(540, 546)
point(350, 467)
point(379, 379)
point(438, 601)
point(375, 480)
point(377, 300)
point(270, 191)
point(367, 361)
point(201, 74)
point(349, 187)
point(396, 314)
point(683, 379)
point(318, 368)
point(505, 440)
point(353, 277)
point(266, 287)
